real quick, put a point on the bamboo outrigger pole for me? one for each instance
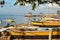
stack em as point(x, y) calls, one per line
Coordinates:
point(50, 33)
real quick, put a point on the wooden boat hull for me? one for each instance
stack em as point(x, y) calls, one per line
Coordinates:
point(46, 24)
point(35, 34)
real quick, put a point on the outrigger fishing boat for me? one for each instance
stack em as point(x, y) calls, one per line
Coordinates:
point(34, 33)
point(47, 22)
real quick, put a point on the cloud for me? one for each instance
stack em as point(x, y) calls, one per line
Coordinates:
point(54, 5)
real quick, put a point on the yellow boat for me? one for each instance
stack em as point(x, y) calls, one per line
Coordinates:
point(47, 22)
point(37, 33)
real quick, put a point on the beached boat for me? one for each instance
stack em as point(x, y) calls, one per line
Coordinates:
point(34, 33)
point(47, 22)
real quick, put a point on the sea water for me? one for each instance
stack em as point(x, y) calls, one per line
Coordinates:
point(17, 18)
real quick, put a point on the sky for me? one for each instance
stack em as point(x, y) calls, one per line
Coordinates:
point(10, 9)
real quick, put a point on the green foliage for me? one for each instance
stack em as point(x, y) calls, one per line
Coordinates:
point(33, 6)
point(32, 2)
point(2, 3)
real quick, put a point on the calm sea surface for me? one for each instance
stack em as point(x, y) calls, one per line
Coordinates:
point(17, 18)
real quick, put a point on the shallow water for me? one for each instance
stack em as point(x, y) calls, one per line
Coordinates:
point(17, 18)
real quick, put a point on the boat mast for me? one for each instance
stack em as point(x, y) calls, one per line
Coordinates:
point(29, 16)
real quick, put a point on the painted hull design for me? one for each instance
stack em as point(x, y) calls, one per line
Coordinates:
point(47, 24)
point(35, 34)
